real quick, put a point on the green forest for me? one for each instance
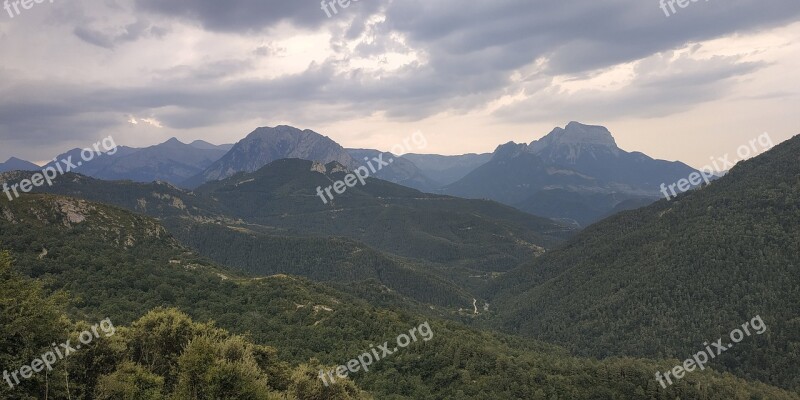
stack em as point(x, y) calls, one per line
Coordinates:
point(188, 327)
point(659, 281)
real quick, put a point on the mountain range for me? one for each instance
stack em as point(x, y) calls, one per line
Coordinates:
point(172, 161)
point(577, 174)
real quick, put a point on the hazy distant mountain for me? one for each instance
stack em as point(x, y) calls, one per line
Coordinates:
point(592, 150)
point(447, 169)
point(575, 173)
point(265, 145)
point(401, 171)
point(15, 164)
point(98, 163)
point(202, 144)
point(171, 161)
point(582, 208)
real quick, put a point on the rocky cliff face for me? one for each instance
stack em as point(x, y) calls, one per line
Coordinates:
point(575, 141)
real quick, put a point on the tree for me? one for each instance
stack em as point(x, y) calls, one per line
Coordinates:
point(130, 381)
point(213, 368)
point(30, 321)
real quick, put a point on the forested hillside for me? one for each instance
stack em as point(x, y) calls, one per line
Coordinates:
point(436, 249)
point(116, 265)
point(660, 281)
point(386, 216)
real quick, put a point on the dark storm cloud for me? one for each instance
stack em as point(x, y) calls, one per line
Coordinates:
point(574, 35)
point(250, 15)
point(472, 47)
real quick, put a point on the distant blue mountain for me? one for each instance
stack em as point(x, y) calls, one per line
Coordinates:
point(15, 164)
point(171, 161)
point(576, 173)
point(447, 169)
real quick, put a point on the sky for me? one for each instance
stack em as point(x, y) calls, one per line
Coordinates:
point(469, 75)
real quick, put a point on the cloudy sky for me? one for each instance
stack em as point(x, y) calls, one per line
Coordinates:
point(469, 74)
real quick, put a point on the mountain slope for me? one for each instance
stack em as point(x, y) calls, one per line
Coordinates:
point(202, 144)
point(98, 163)
point(591, 150)
point(281, 199)
point(171, 161)
point(15, 164)
point(389, 217)
point(119, 266)
point(581, 208)
point(447, 169)
point(435, 249)
point(581, 163)
point(513, 175)
point(401, 171)
point(197, 222)
point(265, 145)
point(658, 281)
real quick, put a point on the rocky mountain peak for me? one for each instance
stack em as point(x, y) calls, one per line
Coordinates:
point(268, 144)
point(510, 150)
point(576, 133)
point(14, 163)
point(173, 142)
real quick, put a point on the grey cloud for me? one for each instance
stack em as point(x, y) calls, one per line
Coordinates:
point(94, 37)
point(472, 48)
point(130, 33)
point(662, 86)
point(206, 72)
point(194, 103)
point(575, 36)
point(252, 15)
point(269, 49)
